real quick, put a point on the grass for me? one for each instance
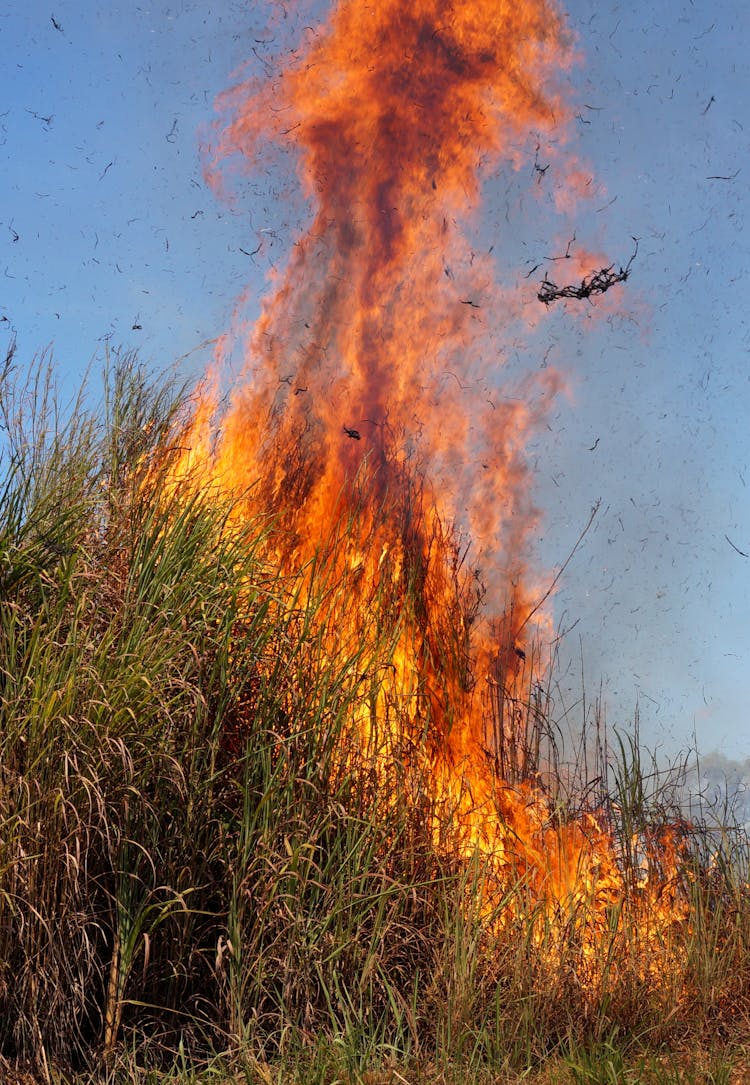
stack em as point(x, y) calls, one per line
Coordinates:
point(207, 876)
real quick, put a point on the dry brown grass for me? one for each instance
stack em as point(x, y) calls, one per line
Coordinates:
point(196, 856)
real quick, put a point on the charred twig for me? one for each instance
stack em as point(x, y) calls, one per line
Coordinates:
point(566, 254)
point(539, 170)
point(46, 121)
point(740, 552)
point(598, 282)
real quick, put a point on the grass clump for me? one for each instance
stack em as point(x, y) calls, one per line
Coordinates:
point(207, 875)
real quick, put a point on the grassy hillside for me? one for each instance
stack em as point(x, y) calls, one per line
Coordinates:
point(211, 870)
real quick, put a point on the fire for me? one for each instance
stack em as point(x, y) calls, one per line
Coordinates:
point(369, 422)
point(372, 331)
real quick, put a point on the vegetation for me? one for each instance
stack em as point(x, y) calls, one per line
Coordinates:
point(205, 877)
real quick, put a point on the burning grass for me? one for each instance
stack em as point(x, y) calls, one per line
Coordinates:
point(233, 820)
point(277, 781)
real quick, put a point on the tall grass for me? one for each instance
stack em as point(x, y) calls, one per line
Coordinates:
point(196, 853)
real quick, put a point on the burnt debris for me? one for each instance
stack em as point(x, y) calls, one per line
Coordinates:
point(599, 282)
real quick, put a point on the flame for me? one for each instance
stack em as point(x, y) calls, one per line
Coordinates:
point(370, 421)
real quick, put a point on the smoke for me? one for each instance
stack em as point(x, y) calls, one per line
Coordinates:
point(724, 784)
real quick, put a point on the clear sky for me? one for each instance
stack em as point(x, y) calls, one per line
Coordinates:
point(108, 234)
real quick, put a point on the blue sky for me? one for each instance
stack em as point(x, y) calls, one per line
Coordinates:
point(108, 234)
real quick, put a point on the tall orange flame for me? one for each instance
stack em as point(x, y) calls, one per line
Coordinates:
point(379, 325)
point(371, 391)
